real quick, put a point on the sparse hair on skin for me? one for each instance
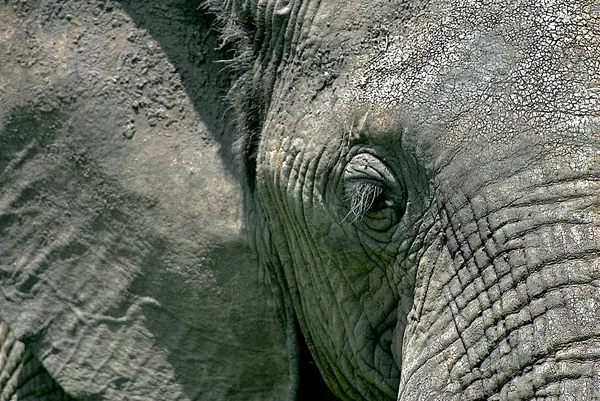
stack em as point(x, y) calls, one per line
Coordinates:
point(362, 197)
point(235, 27)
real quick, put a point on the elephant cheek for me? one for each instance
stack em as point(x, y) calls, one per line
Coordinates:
point(531, 333)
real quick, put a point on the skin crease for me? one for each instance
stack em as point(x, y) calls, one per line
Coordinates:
point(486, 117)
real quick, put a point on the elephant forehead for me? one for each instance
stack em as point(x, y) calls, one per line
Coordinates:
point(499, 71)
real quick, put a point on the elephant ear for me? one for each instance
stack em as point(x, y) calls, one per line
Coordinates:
point(125, 268)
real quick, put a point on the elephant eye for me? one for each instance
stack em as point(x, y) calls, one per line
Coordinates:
point(366, 197)
point(373, 193)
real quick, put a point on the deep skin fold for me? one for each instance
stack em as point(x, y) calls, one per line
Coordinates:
point(495, 105)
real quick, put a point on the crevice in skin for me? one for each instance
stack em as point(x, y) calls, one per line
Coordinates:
point(312, 385)
point(451, 304)
point(250, 142)
point(550, 355)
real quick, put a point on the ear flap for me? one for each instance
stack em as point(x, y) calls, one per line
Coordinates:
point(125, 267)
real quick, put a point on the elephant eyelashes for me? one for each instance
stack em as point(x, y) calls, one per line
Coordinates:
point(365, 197)
point(373, 194)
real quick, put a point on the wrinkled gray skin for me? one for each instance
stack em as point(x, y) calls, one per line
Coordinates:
point(426, 191)
point(421, 193)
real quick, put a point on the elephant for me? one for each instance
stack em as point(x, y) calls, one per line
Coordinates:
point(257, 200)
point(124, 265)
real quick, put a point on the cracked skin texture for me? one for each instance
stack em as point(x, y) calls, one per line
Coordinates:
point(472, 274)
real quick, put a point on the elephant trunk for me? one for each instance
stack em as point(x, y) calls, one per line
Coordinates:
point(507, 295)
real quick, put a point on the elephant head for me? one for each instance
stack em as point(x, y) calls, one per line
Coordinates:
point(419, 192)
point(423, 185)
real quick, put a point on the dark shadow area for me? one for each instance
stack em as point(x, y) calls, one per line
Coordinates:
point(312, 385)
